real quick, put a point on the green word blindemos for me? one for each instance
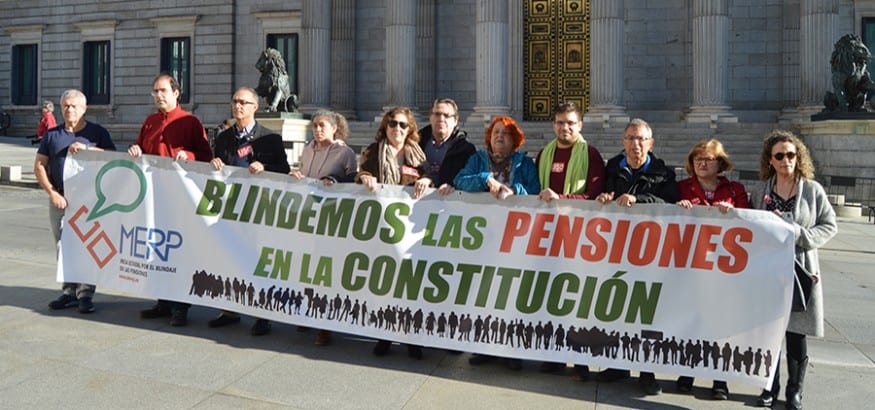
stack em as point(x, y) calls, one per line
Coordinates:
point(311, 214)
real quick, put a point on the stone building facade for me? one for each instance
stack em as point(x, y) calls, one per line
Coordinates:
point(677, 63)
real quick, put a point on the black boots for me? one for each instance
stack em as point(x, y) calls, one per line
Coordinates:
point(767, 397)
point(795, 379)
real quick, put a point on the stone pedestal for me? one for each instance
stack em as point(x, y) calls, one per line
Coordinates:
point(293, 128)
point(841, 147)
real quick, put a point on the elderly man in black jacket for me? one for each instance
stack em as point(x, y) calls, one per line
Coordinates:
point(636, 175)
point(446, 147)
point(249, 145)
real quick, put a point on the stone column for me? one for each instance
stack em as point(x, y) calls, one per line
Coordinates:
point(343, 57)
point(790, 51)
point(515, 58)
point(818, 21)
point(426, 76)
point(607, 38)
point(491, 62)
point(710, 63)
point(400, 81)
point(315, 54)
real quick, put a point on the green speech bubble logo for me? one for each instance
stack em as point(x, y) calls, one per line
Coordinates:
point(98, 210)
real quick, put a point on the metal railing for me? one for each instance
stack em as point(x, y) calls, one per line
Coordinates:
point(856, 190)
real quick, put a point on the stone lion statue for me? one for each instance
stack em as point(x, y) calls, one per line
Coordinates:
point(273, 85)
point(850, 78)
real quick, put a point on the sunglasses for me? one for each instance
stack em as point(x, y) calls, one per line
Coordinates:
point(780, 156)
point(396, 124)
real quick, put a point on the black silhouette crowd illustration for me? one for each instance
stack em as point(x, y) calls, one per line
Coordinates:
point(650, 347)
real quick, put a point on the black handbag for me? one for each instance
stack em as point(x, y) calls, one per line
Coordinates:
point(802, 290)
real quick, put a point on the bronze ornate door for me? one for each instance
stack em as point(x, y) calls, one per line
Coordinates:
point(555, 55)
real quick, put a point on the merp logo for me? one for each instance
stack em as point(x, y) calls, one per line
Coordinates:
point(141, 242)
point(99, 210)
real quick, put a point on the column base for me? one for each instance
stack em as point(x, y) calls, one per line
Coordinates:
point(789, 115)
point(309, 109)
point(710, 114)
point(485, 114)
point(413, 109)
point(806, 111)
point(606, 115)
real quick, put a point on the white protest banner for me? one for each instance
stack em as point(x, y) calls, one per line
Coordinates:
point(651, 287)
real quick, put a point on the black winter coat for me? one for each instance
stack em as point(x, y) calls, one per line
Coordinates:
point(457, 154)
point(656, 185)
point(267, 148)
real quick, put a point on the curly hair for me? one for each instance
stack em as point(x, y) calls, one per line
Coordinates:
point(512, 128)
point(335, 119)
point(713, 146)
point(412, 128)
point(804, 165)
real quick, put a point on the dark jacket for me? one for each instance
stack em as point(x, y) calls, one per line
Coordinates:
point(457, 154)
point(370, 165)
point(656, 185)
point(267, 148)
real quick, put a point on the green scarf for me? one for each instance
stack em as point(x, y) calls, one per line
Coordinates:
point(575, 171)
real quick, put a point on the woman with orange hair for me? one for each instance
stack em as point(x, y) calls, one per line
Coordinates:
point(500, 169)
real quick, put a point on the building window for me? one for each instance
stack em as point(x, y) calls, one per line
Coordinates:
point(95, 72)
point(176, 60)
point(868, 36)
point(24, 69)
point(287, 45)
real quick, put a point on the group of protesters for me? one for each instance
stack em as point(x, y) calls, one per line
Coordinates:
point(440, 156)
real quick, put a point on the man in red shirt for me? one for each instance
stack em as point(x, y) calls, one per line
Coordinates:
point(171, 132)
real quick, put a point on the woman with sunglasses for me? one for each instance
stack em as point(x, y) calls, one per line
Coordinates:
point(395, 158)
point(706, 163)
point(790, 191)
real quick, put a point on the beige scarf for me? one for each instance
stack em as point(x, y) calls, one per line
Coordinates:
point(390, 173)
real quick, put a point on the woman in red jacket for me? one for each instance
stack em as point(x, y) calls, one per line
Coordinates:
point(706, 186)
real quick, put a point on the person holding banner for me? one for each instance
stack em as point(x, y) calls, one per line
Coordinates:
point(76, 134)
point(502, 170)
point(395, 158)
point(789, 190)
point(445, 145)
point(569, 167)
point(706, 186)
point(174, 133)
point(329, 159)
point(637, 175)
point(250, 145)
